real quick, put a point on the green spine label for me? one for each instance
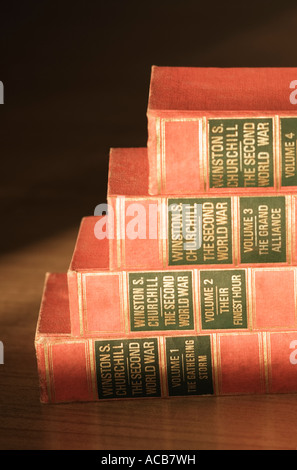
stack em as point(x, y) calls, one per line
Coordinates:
point(288, 131)
point(189, 367)
point(240, 153)
point(223, 299)
point(199, 231)
point(161, 301)
point(263, 229)
point(127, 368)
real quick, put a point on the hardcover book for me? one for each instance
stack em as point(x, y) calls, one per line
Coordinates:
point(204, 230)
point(135, 303)
point(218, 129)
point(75, 369)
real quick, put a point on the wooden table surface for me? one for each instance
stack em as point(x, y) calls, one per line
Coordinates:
point(75, 84)
point(246, 422)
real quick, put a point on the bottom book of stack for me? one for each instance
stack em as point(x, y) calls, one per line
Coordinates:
point(159, 365)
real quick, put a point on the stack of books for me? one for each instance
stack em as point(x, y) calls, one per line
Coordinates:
point(187, 286)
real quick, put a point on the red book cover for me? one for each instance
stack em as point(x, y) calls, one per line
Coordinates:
point(75, 369)
point(204, 230)
point(222, 129)
point(138, 302)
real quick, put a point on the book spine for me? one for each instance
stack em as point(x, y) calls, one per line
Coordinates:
point(152, 367)
point(203, 231)
point(193, 301)
point(223, 154)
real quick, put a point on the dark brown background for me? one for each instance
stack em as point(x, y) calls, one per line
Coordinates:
point(76, 79)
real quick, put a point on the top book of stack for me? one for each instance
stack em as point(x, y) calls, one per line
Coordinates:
point(216, 130)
